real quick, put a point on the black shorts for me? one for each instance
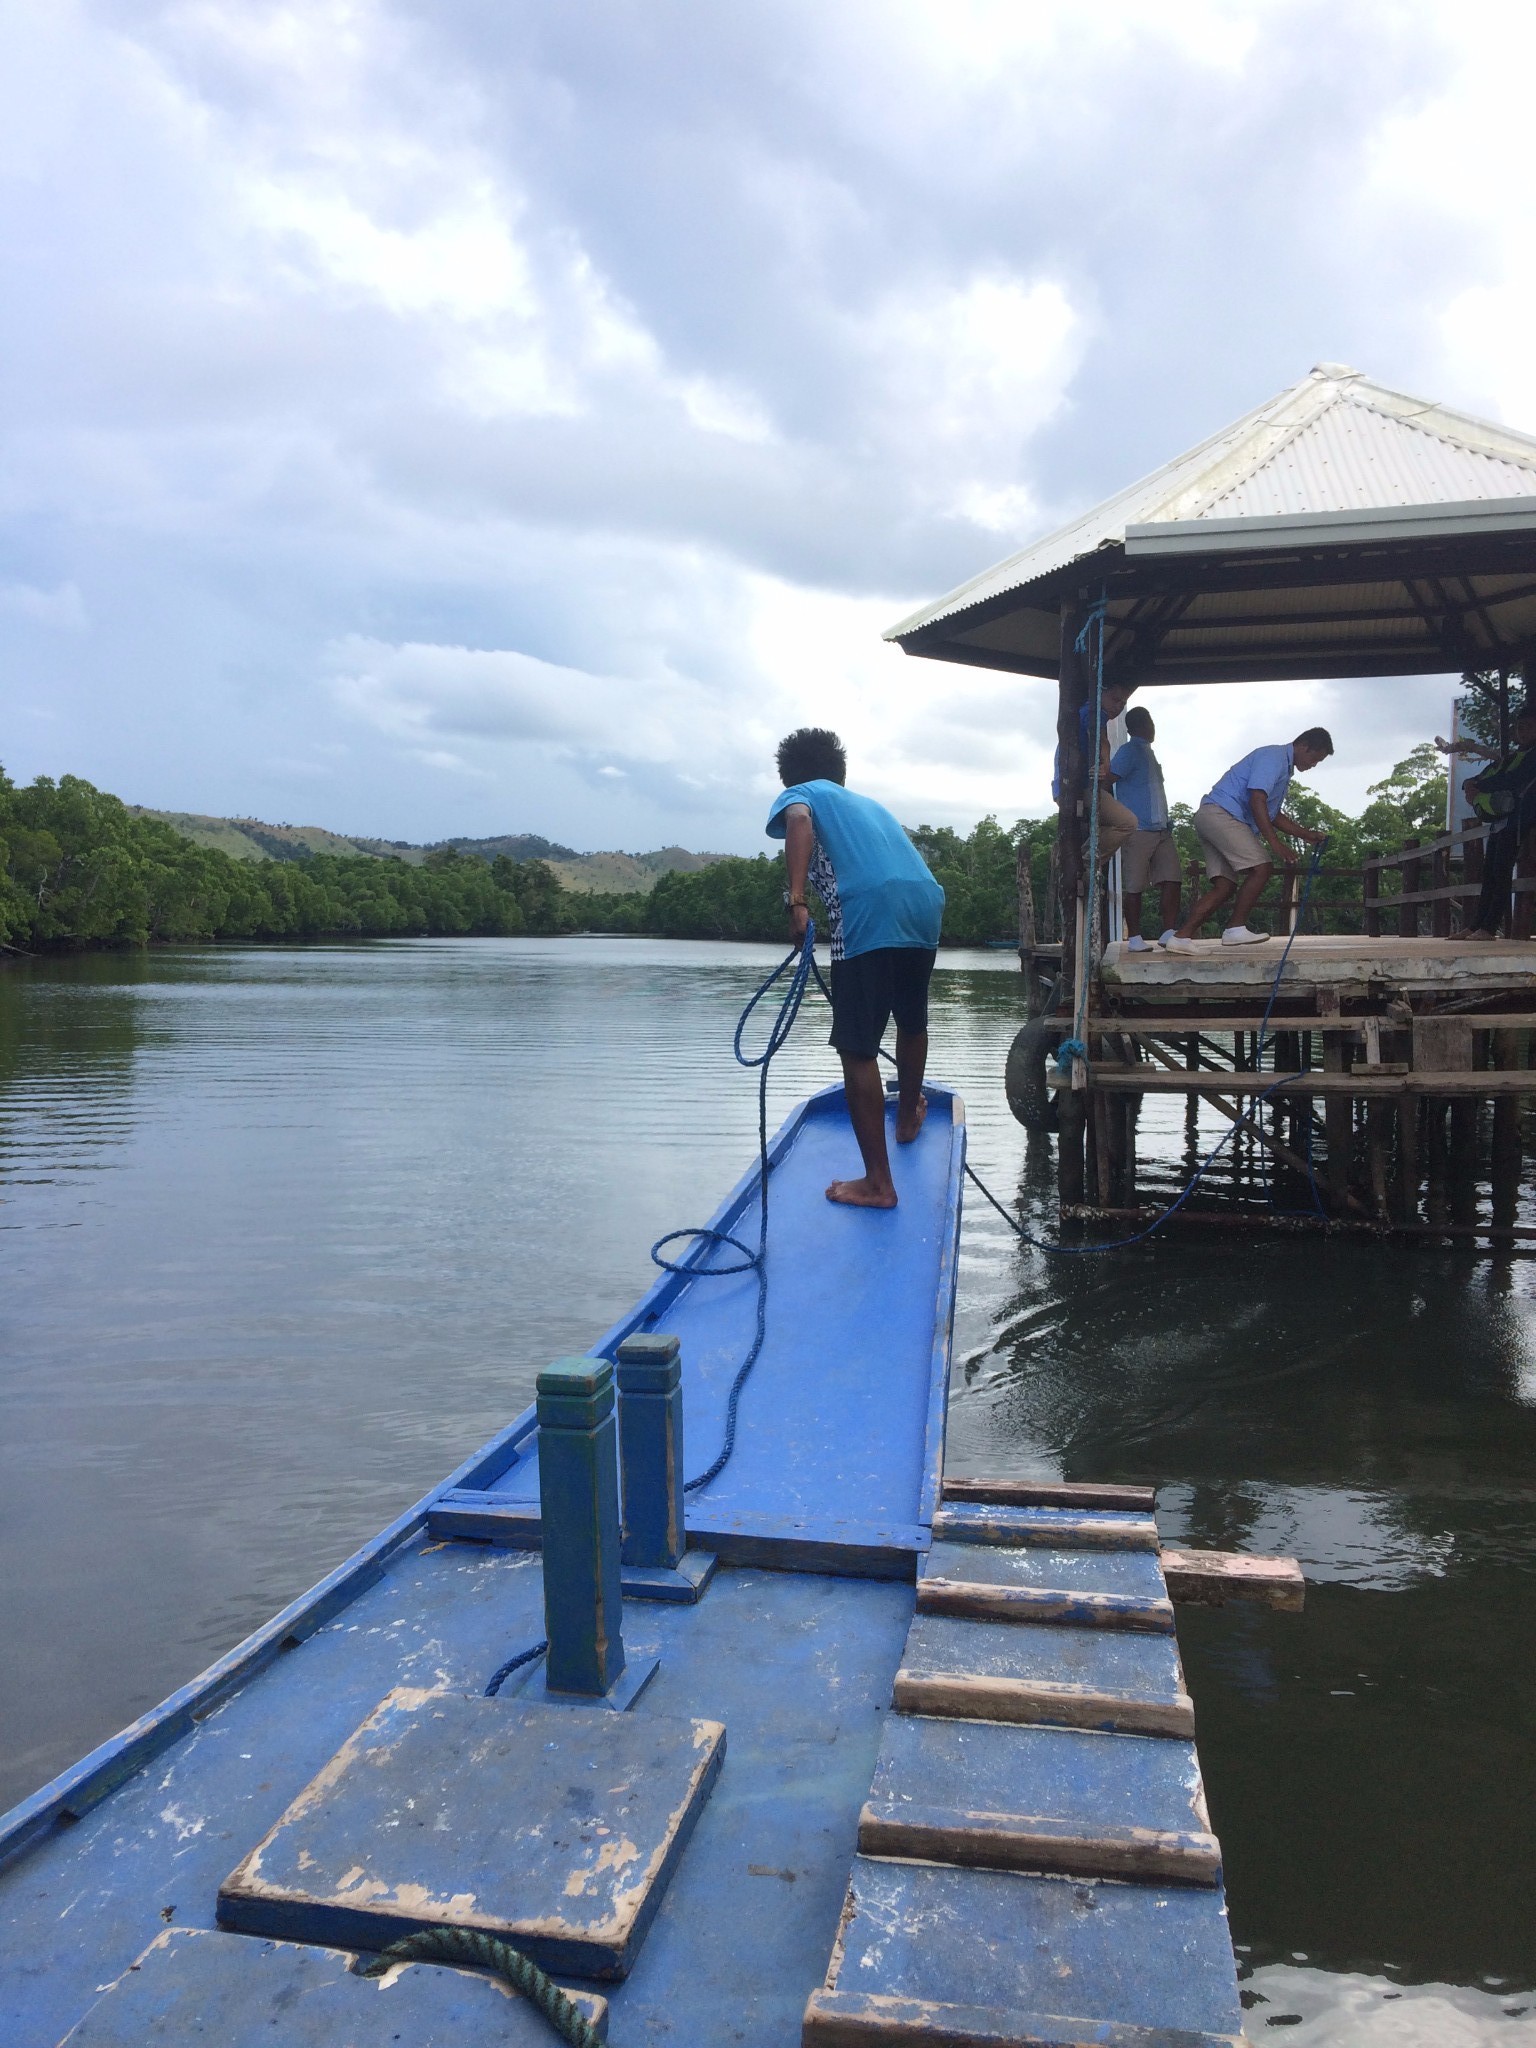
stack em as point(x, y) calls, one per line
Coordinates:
point(871, 988)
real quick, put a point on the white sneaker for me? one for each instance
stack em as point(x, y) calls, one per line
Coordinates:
point(1139, 945)
point(1164, 937)
point(1240, 935)
point(1174, 944)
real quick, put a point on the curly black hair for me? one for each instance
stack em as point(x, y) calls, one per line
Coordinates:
point(812, 754)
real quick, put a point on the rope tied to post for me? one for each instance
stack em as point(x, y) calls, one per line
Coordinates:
point(1070, 1049)
point(489, 1952)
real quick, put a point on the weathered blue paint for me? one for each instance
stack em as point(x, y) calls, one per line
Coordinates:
point(556, 1830)
point(1142, 1667)
point(192, 1985)
point(1135, 1573)
point(850, 2019)
point(1064, 1774)
point(1142, 1955)
point(650, 1378)
point(797, 1667)
point(844, 1411)
point(981, 1602)
point(809, 1543)
point(1060, 1676)
point(579, 1480)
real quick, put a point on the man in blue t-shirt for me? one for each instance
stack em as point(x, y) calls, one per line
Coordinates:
point(1237, 821)
point(1149, 855)
point(884, 910)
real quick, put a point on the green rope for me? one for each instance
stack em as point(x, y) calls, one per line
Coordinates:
point(469, 1945)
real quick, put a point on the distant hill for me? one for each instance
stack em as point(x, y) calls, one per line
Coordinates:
point(621, 874)
point(254, 839)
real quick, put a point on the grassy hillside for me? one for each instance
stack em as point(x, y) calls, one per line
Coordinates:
point(251, 839)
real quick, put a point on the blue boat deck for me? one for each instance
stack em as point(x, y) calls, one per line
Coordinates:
point(842, 1420)
point(945, 1809)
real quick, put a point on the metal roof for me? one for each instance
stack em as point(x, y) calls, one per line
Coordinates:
point(1357, 486)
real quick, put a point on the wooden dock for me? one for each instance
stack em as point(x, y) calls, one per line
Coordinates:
point(1386, 1094)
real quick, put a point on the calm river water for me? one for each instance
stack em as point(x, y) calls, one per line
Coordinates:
point(287, 1233)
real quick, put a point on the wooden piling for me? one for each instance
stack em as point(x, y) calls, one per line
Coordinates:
point(1337, 1122)
point(1436, 1161)
point(1069, 1145)
point(1508, 1052)
point(1378, 1118)
point(1409, 1117)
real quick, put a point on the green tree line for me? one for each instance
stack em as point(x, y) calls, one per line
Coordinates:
point(78, 868)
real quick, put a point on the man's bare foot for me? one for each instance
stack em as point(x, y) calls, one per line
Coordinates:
point(907, 1128)
point(862, 1194)
point(1487, 938)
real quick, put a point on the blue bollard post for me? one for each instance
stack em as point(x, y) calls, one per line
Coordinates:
point(579, 1495)
point(651, 1450)
point(657, 1562)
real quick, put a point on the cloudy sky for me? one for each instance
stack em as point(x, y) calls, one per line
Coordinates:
point(472, 417)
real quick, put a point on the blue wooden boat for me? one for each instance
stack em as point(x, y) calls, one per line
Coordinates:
point(852, 1756)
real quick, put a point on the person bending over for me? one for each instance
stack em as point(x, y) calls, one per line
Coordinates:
point(1240, 817)
point(1149, 855)
point(1117, 824)
point(884, 910)
point(1505, 798)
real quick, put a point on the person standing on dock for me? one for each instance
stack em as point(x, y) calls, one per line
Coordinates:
point(884, 910)
point(1149, 855)
point(1117, 824)
point(1242, 815)
point(1505, 798)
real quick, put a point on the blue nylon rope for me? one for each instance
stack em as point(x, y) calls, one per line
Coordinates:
point(802, 960)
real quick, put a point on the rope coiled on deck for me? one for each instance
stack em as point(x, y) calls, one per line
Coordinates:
point(489, 1952)
point(802, 960)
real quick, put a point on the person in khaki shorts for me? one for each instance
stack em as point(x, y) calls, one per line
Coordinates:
point(1240, 817)
point(1149, 855)
point(1116, 823)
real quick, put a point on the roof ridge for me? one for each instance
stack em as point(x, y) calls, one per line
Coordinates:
point(1525, 457)
point(1257, 439)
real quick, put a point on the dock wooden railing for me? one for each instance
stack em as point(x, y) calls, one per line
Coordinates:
point(1441, 877)
point(1451, 897)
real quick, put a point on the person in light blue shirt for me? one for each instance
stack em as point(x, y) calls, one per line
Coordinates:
point(1149, 855)
point(884, 911)
point(1236, 821)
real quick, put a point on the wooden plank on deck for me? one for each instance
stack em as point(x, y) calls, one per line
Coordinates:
point(1031, 1798)
point(556, 1829)
point(1050, 1493)
point(1060, 1528)
point(1149, 1956)
point(864, 2019)
point(1212, 1577)
point(1119, 1680)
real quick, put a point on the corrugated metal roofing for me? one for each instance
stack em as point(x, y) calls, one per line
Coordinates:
point(1335, 442)
point(1353, 458)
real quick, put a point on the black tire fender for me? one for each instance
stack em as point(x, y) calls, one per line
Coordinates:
point(1032, 1102)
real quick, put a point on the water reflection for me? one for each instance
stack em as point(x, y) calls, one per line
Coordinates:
point(290, 1230)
